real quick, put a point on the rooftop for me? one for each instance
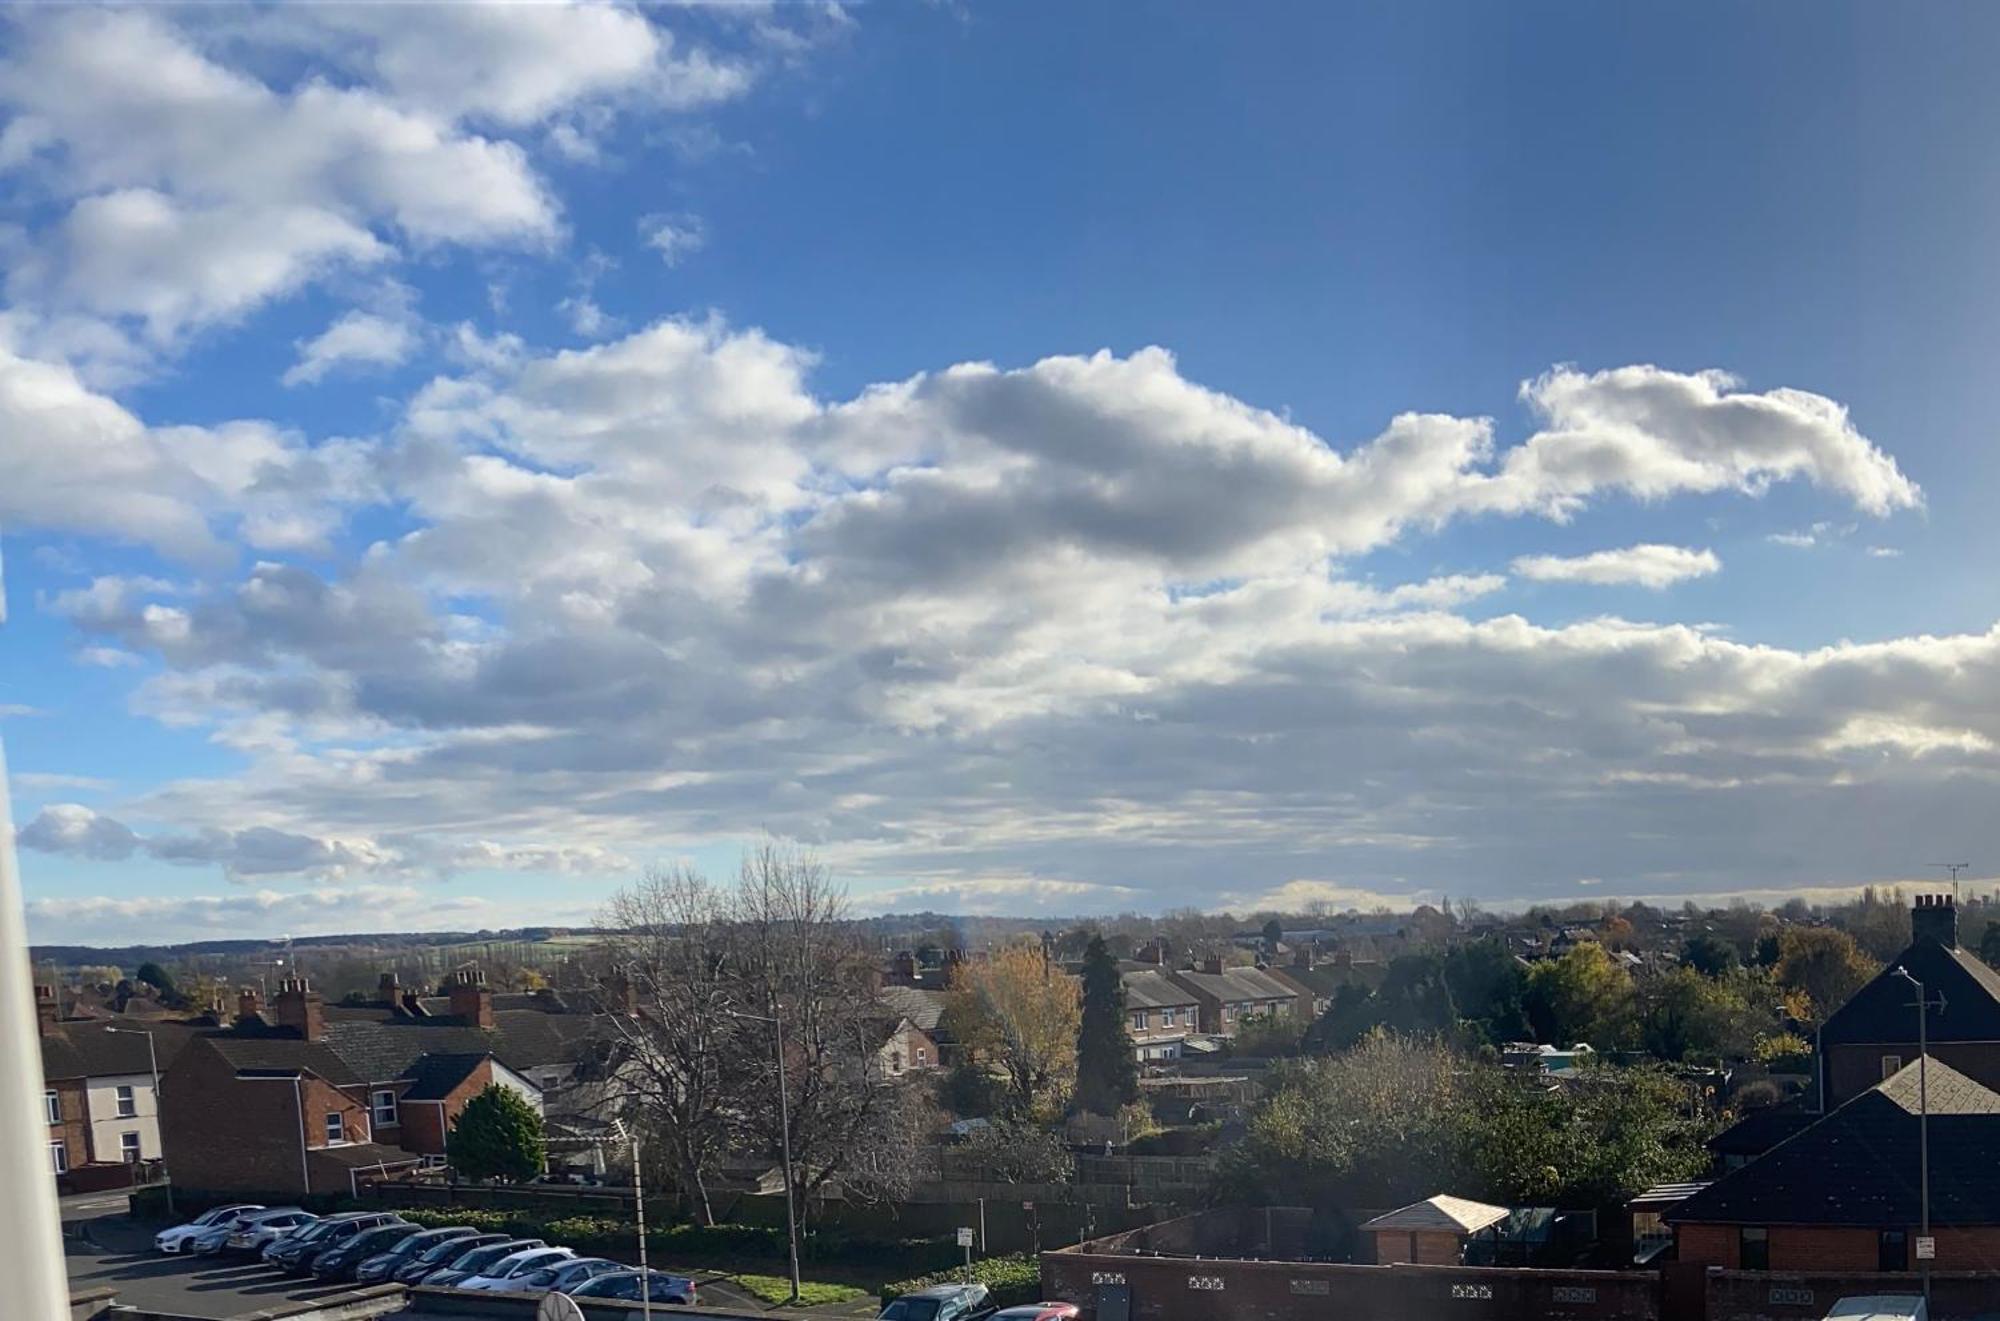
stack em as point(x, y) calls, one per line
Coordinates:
point(1457, 1215)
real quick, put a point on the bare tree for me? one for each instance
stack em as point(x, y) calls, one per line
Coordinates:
point(667, 980)
point(799, 962)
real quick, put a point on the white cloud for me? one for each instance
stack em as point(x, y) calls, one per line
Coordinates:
point(1647, 565)
point(673, 237)
point(355, 337)
point(1796, 540)
point(1883, 552)
point(56, 780)
point(328, 910)
point(1082, 623)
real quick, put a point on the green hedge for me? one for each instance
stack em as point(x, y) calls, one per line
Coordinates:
point(611, 1235)
point(1012, 1280)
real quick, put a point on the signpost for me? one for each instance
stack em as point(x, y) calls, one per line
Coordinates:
point(965, 1241)
point(1926, 1248)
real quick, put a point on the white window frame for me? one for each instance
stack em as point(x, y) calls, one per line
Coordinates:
point(334, 1128)
point(1138, 1020)
point(52, 1105)
point(1170, 1017)
point(130, 1148)
point(1891, 1066)
point(128, 1101)
point(59, 1157)
point(382, 1108)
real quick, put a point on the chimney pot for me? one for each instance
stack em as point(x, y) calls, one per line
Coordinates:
point(300, 1008)
point(46, 1013)
point(471, 998)
point(1935, 916)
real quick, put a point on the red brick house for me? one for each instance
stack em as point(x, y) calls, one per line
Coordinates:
point(1227, 996)
point(1874, 1034)
point(1160, 1013)
point(1841, 1195)
point(315, 1097)
point(97, 1093)
point(905, 1048)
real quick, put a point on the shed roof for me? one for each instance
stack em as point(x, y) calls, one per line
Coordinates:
point(1456, 1215)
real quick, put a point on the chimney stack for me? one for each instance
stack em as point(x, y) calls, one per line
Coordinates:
point(388, 990)
point(248, 1005)
point(46, 1012)
point(471, 997)
point(1212, 964)
point(1936, 916)
point(903, 968)
point(300, 1008)
point(1305, 954)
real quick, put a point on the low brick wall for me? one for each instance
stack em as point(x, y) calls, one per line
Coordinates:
point(1810, 1295)
point(1188, 1288)
point(494, 1306)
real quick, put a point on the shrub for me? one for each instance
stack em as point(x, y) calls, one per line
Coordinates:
point(1013, 1280)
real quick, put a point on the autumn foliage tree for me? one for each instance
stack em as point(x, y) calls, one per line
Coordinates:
point(1022, 1014)
point(1824, 965)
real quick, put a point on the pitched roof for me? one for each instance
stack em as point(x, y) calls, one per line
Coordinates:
point(920, 1006)
point(82, 1048)
point(1760, 1130)
point(1858, 1165)
point(272, 1055)
point(1237, 984)
point(1153, 989)
point(522, 1039)
point(363, 1155)
point(1459, 1215)
point(1885, 1010)
point(438, 1076)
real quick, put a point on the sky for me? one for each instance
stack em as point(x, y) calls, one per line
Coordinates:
point(1045, 459)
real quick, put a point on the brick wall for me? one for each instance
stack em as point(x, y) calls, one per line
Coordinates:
point(74, 1129)
point(1209, 1289)
point(1428, 1248)
point(1853, 1069)
point(223, 1135)
point(1709, 1245)
point(1807, 1296)
point(1834, 1248)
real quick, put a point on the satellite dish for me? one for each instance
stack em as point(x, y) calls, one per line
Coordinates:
point(558, 1307)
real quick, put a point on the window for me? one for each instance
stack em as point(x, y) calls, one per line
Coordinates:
point(128, 1148)
point(52, 1106)
point(1753, 1249)
point(334, 1131)
point(1891, 1065)
point(128, 1105)
point(895, 1061)
point(384, 1108)
point(58, 1156)
point(1139, 1019)
point(1893, 1254)
point(1168, 1017)
point(923, 1058)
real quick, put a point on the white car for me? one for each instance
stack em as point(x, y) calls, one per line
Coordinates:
point(257, 1232)
point(176, 1239)
point(507, 1275)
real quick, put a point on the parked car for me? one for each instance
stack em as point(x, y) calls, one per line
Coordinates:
point(306, 1240)
point(1038, 1312)
point(175, 1239)
point(1880, 1307)
point(339, 1262)
point(267, 1227)
point(440, 1256)
point(504, 1275)
point(384, 1264)
point(298, 1255)
point(563, 1276)
point(216, 1237)
point(624, 1286)
point(477, 1261)
point(941, 1302)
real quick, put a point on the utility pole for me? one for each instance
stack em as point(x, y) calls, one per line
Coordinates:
point(784, 1139)
point(1925, 1243)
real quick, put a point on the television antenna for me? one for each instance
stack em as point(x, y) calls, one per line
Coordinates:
point(1954, 868)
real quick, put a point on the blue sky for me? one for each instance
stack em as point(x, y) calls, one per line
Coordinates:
point(455, 463)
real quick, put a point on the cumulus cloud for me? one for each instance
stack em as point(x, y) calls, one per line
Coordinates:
point(328, 910)
point(1082, 623)
point(364, 338)
point(1647, 565)
point(673, 237)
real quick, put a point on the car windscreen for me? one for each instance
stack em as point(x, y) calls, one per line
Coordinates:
point(445, 1250)
point(482, 1257)
point(911, 1309)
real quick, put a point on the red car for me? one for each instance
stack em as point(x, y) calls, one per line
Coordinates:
point(1038, 1312)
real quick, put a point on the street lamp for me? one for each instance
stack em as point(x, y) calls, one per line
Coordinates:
point(784, 1138)
point(153, 1059)
point(1923, 1126)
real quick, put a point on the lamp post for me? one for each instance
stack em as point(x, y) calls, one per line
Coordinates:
point(784, 1139)
point(1923, 1125)
point(153, 1061)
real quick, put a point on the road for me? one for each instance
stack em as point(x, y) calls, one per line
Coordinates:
point(111, 1251)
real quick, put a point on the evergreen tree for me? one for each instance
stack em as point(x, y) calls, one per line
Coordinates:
point(1107, 1070)
point(497, 1136)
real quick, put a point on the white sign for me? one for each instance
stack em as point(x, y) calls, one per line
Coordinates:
point(555, 1307)
point(965, 1238)
point(1926, 1248)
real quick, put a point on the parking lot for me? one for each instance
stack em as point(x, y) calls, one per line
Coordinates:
point(111, 1251)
